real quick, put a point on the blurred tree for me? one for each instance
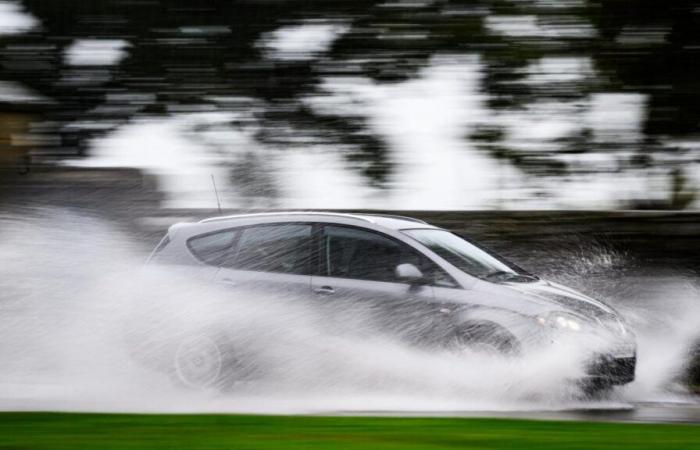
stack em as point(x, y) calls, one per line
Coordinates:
point(180, 54)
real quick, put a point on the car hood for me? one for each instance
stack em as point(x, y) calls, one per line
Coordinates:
point(565, 298)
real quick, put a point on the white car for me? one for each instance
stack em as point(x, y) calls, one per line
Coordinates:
point(425, 285)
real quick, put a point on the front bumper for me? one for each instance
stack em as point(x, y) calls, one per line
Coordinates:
point(611, 370)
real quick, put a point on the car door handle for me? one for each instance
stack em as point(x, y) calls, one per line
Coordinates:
point(325, 290)
point(229, 281)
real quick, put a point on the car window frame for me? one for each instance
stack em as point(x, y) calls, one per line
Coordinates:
point(321, 255)
point(233, 249)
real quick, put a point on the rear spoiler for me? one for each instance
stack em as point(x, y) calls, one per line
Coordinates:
point(169, 236)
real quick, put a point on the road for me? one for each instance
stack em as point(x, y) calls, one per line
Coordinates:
point(675, 412)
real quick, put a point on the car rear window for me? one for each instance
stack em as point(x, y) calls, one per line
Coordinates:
point(212, 248)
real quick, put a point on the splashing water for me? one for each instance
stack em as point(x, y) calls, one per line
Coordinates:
point(80, 318)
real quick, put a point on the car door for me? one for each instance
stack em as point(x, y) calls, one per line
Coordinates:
point(356, 280)
point(270, 260)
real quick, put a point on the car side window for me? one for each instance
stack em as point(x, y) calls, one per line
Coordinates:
point(353, 253)
point(280, 248)
point(211, 248)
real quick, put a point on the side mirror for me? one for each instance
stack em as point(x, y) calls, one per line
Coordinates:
point(408, 273)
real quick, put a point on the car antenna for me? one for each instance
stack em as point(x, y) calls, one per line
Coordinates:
point(216, 192)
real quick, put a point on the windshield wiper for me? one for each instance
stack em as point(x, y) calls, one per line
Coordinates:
point(495, 274)
point(502, 275)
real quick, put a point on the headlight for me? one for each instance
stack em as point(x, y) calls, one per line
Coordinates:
point(560, 321)
point(616, 325)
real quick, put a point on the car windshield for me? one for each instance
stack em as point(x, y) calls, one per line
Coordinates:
point(468, 257)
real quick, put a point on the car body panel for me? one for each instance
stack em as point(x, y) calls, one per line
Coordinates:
point(408, 313)
point(264, 282)
point(415, 313)
point(563, 297)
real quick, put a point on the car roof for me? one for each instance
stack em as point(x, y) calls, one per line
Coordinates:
point(391, 221)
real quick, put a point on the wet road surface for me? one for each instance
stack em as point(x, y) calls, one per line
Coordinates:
point(675, 412)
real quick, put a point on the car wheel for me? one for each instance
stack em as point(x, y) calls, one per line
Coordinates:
point(199, 362)
point(209, 360)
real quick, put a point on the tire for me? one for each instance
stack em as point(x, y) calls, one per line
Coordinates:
point(206, 360)
point(486, 338)
point(198, 362)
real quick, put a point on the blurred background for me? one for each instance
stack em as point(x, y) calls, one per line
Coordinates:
point(565, 134)
point(354, 104)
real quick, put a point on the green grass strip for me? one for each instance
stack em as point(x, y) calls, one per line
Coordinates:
point(57, 431)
